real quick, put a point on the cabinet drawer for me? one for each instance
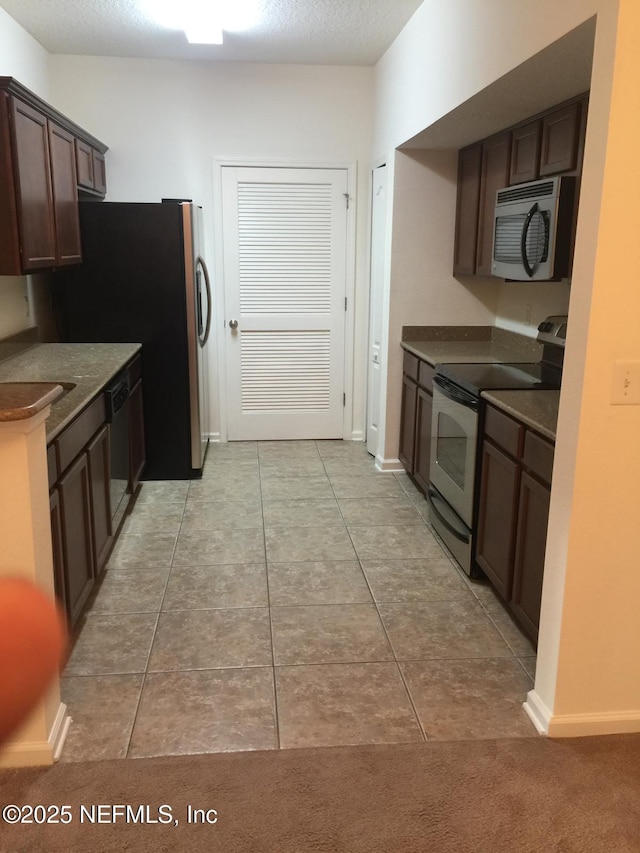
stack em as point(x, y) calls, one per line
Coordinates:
point(410, 366)
point(425, 375)
point(504, 431)
point(538, 456)
point(74, 438)
point(52, 465)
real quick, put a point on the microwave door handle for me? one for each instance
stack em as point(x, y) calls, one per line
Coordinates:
point(523, 241)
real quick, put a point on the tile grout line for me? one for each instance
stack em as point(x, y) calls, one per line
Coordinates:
point(266, 572)
point(382, 625)
point(155, 631)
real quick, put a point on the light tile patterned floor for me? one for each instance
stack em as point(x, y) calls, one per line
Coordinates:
point(292, 597)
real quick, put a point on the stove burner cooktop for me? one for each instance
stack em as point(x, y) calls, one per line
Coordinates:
point(476, 377)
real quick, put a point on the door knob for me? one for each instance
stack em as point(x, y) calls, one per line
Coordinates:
point(233, 324)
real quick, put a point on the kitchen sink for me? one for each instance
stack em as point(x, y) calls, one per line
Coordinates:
point(66, 386)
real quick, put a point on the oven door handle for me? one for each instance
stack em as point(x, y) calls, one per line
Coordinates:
point(455, 392)
point(431, 494)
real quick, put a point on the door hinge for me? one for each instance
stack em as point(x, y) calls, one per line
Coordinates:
point(346, 197)
point(344, 399)
point(345, 303)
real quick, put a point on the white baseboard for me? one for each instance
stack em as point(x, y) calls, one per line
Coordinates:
point(579, 725)
point(537, 712)
point(356, 435)
point(39, 753)
point(383, 464)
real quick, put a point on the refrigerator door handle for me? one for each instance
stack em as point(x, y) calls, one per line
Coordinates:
point(205, 272)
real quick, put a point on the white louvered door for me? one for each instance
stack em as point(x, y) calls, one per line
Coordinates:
point(285, 240)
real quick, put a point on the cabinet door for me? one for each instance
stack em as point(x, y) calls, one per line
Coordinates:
point(137, 455)
point(495, 541)
point(468, 199)
point(33, 187)
point(560, 132)
point(99, 173)
point(533, 516)
point(525, 153)
point(496, 154)
point(65, 195)
point(58, 554)
point(423, 438)
point(99, 480)
point(75, 516)
point(406, 451)
point(84, 164)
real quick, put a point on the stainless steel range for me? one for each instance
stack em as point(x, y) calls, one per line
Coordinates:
point(454, 434)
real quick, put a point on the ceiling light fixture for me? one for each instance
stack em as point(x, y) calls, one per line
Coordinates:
point(202, 23)
point(204, 20)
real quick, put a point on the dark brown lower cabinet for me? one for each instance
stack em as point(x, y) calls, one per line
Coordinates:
point(56, 543)
point(513, 512)
point(497, 517)
point(424, 411)
point(415, 418)
point(77, 538)
point(99, 480)
point(79, 465)
point(406, 450)
point(533, 515)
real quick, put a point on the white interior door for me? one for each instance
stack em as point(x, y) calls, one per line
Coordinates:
point(378, 230)
point(284, 247)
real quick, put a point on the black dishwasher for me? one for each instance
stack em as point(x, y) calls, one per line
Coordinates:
point(117, 405)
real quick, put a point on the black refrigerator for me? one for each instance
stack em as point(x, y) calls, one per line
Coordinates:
point(143, 280)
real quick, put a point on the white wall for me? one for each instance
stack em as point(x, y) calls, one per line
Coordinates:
point(453, 49)
point(165, 122)
point(23, 58)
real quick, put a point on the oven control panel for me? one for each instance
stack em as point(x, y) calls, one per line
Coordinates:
point(553, 330)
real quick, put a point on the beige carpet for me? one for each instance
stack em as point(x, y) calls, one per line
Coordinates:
point(505, 796)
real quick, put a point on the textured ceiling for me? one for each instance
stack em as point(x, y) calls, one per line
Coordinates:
point(323, 32)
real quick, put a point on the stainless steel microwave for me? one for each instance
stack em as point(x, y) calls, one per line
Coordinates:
point(532, 230)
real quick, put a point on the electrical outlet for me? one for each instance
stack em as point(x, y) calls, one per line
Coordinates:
point(625, 388)
point(27, 307)
point(527, 314)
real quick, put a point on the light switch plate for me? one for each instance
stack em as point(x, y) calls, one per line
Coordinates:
point(625, 388)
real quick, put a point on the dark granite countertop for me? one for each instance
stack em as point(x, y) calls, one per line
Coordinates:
point(537, 409)
point(82, 370)
point(456, 344)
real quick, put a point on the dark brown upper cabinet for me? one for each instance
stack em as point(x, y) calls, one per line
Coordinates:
point(560, 132)
point(549, 143)
point(525, 153)
point(494, 175)
point(33, 189)
point(466, 235)
point(39, 225)
point(66, 218)
point(92, 178)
